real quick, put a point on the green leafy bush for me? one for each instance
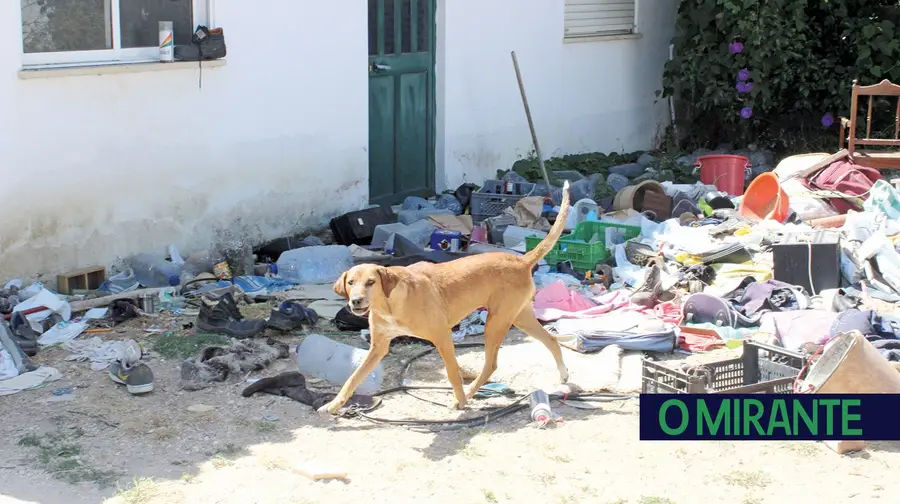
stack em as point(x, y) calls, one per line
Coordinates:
point(776, 73)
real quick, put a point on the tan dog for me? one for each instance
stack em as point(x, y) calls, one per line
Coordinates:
point(426, 300)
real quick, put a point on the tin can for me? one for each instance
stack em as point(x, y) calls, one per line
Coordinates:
point(222, 271)
point(166, 42)
point(510, 187)
point(540, 407)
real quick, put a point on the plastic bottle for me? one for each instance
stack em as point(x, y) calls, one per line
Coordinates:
point(540, 407)
point(154, 271)
point(326, 359)
point(314, 264)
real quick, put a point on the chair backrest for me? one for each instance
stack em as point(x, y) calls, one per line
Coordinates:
point(883, 88)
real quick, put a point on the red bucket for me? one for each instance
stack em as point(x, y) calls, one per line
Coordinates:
point(725, 171)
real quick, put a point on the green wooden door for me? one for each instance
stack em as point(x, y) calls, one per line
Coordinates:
point(401, 99)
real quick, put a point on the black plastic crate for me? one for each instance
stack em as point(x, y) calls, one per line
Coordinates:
point(773, 373)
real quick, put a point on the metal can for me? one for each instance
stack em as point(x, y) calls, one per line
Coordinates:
point(166, 42)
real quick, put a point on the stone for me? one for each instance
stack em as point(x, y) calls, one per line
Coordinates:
point(647, 159)
point(617, 182)
point(200, 408)
point(758, 169)
point(688, 160)
point(597, 178)
point(629, 170)
point(762, 158)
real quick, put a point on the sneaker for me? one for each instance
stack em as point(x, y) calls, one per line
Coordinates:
point(291, 316)
point(646, 293)
point(137, 378)
point(639, 253)
point(222, 316)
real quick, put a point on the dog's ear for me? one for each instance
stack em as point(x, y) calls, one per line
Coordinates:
point(340, 286)
point(388, 280)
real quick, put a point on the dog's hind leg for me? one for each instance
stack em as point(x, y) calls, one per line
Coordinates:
point(528, 323)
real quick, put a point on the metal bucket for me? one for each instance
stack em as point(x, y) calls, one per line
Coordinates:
point(851, 365)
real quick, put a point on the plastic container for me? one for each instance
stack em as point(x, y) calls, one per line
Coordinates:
point(154, 271)
point(493, 197)
point(326, 359)
point(515, 235)
point(409, 217)
point(725, 171)
point(418, 232)
point(309, 265)
point(583, 209)
point(384, 231)
point(765, 199)
point(588, 244)
point(120, 282)
point(749, 373)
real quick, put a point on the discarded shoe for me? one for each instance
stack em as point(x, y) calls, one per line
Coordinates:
point(646, 293)
point(216, 364)
point(639, 253)
point(291, 316)
point(137, 378)
point(221, 315)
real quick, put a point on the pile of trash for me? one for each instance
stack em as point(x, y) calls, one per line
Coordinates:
point(805, 253)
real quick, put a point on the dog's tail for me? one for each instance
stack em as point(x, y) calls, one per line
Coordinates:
point(547, 244)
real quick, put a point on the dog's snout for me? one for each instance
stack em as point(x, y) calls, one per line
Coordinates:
point(357, 301)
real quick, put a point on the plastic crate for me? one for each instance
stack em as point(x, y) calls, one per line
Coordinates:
point(750, 373)
point(577, 247)
point(487, 203)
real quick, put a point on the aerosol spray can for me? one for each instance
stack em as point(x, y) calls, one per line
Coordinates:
point(540, 407)
point(166, 42)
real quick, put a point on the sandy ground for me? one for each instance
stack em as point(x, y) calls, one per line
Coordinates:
point(105, 445)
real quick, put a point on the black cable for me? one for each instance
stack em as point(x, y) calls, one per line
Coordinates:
point(492, 413)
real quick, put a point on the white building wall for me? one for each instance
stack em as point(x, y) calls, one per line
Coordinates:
point(584, 97)
point(97, 167)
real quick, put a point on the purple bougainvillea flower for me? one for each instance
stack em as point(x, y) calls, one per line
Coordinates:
point(743, 74)
point(748, 87)
point(736, 47)
point(741, 87)
point(746, 112)
point(827, 120)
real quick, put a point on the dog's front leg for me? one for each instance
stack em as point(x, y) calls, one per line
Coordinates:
point(379, 348)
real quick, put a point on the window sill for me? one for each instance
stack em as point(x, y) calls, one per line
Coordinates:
point(118, 68)
point(602, 38)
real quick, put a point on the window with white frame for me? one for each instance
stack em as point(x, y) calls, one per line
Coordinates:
point(84, 32)
point(596, 18)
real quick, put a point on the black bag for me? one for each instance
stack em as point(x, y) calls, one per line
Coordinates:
point(357, 228)
point(205, 44)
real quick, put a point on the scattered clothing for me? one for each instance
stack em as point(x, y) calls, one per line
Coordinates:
point(29, 380)
point(557, 296)
point(215, 364)
point(292, 384)
point(102, 353)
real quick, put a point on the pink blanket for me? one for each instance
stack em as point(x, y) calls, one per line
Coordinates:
point(557, 296)
point(556, 301)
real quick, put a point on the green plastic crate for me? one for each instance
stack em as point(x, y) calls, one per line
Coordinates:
point(577, 248)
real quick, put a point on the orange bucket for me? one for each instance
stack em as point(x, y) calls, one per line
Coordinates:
point(725, 171)
point(765, 199)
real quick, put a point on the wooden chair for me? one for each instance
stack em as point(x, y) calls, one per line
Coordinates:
point(873, 159)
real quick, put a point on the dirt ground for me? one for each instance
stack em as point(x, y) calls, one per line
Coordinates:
point(105, 445)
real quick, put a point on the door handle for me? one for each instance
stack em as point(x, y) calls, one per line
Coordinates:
point(379, 67)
